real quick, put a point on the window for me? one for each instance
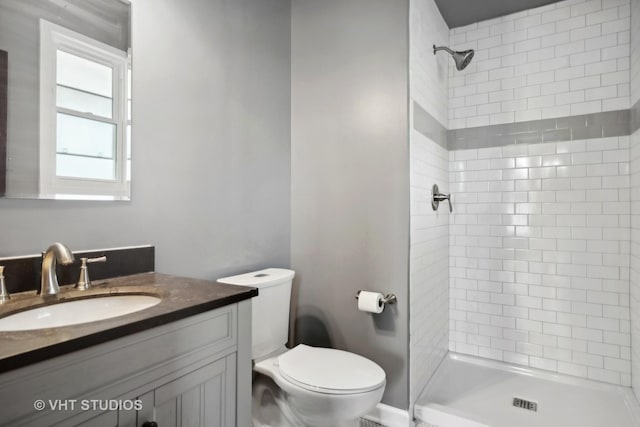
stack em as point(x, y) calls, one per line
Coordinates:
point(84, 116)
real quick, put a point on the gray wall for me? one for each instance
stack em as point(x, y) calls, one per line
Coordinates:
point(211, 114)
point(350, 176)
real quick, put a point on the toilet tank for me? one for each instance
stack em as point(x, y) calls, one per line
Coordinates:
point(269, 310)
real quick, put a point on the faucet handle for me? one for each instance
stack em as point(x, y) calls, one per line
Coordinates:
point(84, 282)
point(4, 295)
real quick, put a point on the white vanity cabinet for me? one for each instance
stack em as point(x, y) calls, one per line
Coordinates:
point(191, 372)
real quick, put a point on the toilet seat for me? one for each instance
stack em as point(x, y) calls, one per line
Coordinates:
point(330, 371)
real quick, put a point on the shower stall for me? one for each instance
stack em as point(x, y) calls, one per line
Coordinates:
point(535, 270)
point(535, 266)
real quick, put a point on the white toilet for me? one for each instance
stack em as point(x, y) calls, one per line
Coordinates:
point(304, 386)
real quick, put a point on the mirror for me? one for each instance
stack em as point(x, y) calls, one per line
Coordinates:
point(65, 99)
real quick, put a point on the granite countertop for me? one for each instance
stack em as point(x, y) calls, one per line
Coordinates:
point(181, 297)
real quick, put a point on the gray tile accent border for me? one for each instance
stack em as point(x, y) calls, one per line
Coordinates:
point(635, 118)
point(427, 125)
point(597, 125)
point(585, 126)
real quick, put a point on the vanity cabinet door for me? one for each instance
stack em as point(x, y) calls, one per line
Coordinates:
point(105, 419)
point(204, 397)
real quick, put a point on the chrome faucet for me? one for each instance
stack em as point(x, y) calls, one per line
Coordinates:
point(49, 280)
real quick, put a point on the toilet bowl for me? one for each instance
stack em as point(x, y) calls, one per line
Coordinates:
point(317, 387)
point(303, 386)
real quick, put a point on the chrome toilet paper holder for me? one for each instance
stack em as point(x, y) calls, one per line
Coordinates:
point(388, 299)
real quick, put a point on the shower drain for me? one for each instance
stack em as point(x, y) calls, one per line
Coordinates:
point(525, 404)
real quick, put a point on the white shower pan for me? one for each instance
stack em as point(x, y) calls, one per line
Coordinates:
point(468, 391)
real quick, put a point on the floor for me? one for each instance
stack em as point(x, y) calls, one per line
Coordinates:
point(369, 423)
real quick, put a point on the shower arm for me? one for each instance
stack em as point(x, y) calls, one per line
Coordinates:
point(446, 49)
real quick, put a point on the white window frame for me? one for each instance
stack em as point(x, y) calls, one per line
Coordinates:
point(53, 38)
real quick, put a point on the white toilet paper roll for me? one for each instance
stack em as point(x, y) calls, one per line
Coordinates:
point(370, 302)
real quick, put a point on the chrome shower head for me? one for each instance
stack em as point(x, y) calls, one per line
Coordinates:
point(462, 58)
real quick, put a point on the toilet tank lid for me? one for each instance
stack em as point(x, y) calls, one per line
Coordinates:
point(260, 279)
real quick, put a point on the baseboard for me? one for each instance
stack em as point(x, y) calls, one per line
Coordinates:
point(389, 416)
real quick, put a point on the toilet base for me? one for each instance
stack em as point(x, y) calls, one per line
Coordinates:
point(267, 405)
point(270, 408)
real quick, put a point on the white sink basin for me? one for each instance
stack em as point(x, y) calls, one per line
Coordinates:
point(76, 312)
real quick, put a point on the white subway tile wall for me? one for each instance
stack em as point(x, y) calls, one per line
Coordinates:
point(539, 254)
point(429, 262)
point(429, 252)
point(634, 282)
point(635, 259)
point(428, 73)
point(635, 52)
point(563, 59)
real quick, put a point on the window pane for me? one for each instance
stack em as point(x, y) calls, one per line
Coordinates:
point(83, 74)
point(87, 141)
point(87, 137)
point(84, 102)
point(84, 167)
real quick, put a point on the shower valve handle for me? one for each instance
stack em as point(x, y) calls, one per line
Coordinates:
point(438, 197)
